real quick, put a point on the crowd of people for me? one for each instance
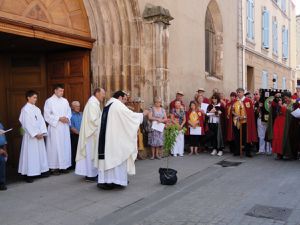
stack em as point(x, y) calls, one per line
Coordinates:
point(64, 138)
point(248, 123)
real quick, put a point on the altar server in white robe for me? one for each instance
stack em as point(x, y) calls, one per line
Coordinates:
point(89, 136)
point(117, 149)
point(57, 113)
point(33, 156)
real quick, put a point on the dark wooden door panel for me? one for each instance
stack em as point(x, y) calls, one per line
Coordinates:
point(24, 72)
point(72, 69)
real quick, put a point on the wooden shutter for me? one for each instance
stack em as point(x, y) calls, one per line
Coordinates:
point(264, 79)
point(265, 29)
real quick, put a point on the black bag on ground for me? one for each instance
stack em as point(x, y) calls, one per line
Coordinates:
point(167, 176)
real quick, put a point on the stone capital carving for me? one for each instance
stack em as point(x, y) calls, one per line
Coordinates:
point(157, 14)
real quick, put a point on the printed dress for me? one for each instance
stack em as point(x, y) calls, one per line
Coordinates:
point(156, 138)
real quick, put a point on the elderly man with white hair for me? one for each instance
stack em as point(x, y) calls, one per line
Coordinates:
point(75, 128)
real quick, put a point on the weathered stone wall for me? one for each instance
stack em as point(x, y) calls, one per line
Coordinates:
point(147, 57)
point(186, 58)
point(116, 55)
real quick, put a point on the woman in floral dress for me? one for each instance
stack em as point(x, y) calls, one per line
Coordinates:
point(155, 137)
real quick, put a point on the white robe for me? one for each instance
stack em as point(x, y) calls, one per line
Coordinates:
point(33, 156)
point(88, 139)
point(58, 142)
point(178, 148)
point(264, 146)
point(120, 144)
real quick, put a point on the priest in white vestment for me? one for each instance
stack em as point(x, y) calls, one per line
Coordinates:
point(33, 157)
point(89, 136)
point(57, 113)
point(117, 149)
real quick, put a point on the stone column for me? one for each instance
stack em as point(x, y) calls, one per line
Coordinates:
point(159, 18)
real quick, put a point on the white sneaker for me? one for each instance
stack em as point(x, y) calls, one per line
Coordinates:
point(214, 152)
point(220, 153)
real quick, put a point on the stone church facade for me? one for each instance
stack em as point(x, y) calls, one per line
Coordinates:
point(154, 48)
point(146, 47)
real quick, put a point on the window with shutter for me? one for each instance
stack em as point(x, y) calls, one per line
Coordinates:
point(265, 28)
point(275, 36)
point(285, 43)
point(264, 80)
point(250, 19)
point(283, 83)
point(275, 81)
point(283, 5)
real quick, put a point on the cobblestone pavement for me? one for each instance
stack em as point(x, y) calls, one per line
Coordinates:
point(206, 194)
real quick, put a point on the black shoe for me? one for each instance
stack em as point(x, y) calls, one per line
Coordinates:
point(236, 154)
point(118, 186)
point(45, 174)
point(54, 172)
point(91, 179)
point(29, 179)
point(3, 187)
point(105, 186)
point(64, 171)
point(248, 155)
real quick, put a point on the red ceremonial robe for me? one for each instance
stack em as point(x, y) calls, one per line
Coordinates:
point(278, 131)
point(229, 122)
point(251, 124)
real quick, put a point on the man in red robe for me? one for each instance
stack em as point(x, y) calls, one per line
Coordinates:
point(244, 123)
point(229, 122)
point(296, 96)
point(179, 97)
point(201, 91)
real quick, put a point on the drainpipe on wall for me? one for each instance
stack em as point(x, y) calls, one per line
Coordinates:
point(243, 46)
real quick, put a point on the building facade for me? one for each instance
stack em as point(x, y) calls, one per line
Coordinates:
point(267, 43)
point(146, 47)
point(298, 49)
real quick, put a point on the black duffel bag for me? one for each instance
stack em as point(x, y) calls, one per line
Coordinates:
point(167, 176)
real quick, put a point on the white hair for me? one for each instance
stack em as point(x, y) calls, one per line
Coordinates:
point(75, 103)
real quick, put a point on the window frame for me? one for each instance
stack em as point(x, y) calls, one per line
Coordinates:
point(250, 20)
point(265, 28)
point(275, 36)
point(265, 79)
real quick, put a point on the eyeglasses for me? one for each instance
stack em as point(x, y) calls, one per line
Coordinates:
point(256, 94)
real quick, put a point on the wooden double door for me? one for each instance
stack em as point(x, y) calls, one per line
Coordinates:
point(40, 72)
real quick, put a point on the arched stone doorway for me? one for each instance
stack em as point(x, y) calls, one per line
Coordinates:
point(213, 41)
point(116, 55)
point(42, 42)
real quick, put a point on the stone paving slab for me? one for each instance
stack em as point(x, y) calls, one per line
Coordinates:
point(205, 194)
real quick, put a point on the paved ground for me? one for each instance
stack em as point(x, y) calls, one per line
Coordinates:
point(206, 194)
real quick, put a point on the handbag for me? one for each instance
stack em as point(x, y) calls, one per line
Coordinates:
point(167, 176)
point(148, 123)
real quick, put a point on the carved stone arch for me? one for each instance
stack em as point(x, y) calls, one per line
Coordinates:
point(116, 53)
point(213, 41)
point(214, 9)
